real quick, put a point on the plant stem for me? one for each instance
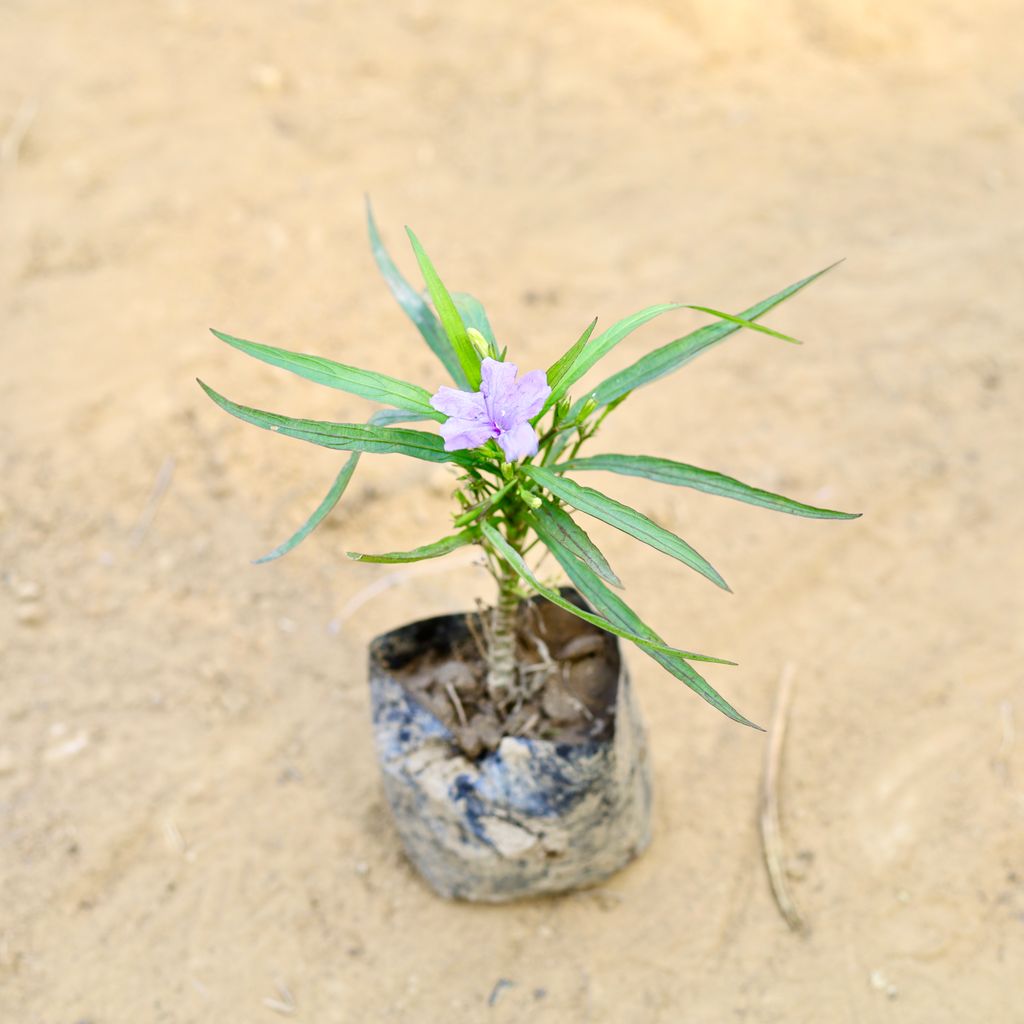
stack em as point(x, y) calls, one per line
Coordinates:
point(501, 654)
point(502, 672)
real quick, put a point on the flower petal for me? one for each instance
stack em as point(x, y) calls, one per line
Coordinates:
point(509, 401)
point(519, 442)
point(466, 405)
point(462, 433)
point(531, 393)
point(497, 385)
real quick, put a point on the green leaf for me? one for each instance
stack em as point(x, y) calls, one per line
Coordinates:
point(474, 315)
point(331, 499)
point(679, 474)
point(669, 358)
point(414, 305)
point(588, 355)
point(435, 550)
point(623, 518)
point(449, 314)
point(474, 512)
point(560, 367)
point(551, 521)
point(352, 437)
point(514, 559)
point(386, 417)
point(616, 610)
point(744, 322)
point(381, 417)
point(606, 341)
point(378, 387)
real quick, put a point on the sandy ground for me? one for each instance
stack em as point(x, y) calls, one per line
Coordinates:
point(191, 825)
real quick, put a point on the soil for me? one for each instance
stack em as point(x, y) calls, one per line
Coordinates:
point(192, 827)
point(567, 683)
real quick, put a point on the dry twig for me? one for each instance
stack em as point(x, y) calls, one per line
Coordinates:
point(285, 1005)
point(771, 831)
point(456, 703)
point(478, 628)
point(160, 487)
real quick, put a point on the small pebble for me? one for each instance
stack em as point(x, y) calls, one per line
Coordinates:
point(558, 705)
point(469, 742)
point(458, 674)
point(880, 983)
point(487, 728)
point(27, 590)
point(267, 77)
point(31, 614)
point(69, 748)
point(581, 647)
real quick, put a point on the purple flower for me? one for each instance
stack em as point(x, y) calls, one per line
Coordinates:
point(502, 409)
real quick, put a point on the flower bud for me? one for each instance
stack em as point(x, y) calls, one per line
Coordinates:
point(480, 343)
point(529, 497)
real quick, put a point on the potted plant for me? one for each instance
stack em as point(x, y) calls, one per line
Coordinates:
point(512, 751)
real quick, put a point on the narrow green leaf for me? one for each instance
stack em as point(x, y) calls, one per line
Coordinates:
point(387, 417)
point(382, 417)
point(514, 559)
point(679, 474)
point(377, 387)
point(449, 314)
point(474, 512)
point(606, 341)
point(352, 437)
point(560, 367)
point(743, 322)
point(669, 358)
point(474, 315)
point(590, 354)
point(551, 521)
point(623, 518)
point(414, 305)
point(616, 610)
point(439, 547)
point(331, 499)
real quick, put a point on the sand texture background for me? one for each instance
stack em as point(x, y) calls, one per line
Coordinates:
point(191, 822)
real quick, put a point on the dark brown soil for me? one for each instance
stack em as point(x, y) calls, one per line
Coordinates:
point(568, 675)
